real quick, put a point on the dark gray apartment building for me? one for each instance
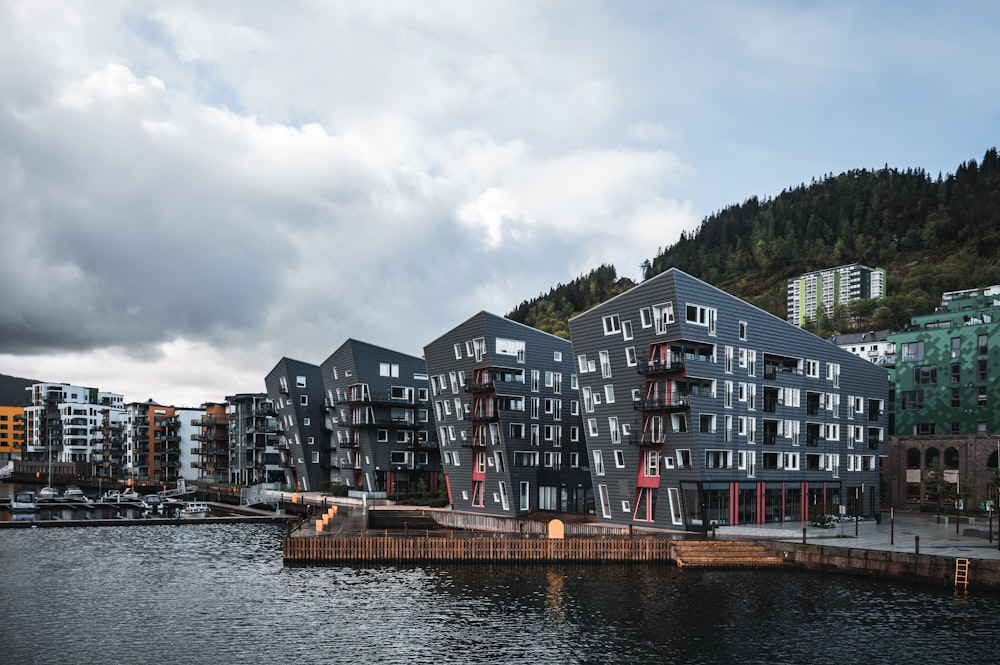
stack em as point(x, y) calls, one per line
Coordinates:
point(507, 413)
point(295, 388)
point(255, 452)
point(378, 413)
point(701, 409)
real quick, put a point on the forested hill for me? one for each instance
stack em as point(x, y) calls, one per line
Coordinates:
point(930, 234)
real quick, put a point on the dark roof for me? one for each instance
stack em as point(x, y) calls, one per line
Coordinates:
point(12, 391)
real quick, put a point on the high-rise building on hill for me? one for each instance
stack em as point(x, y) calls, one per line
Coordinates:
point(831, 287)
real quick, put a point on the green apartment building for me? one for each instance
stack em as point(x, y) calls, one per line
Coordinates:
point(946, 398)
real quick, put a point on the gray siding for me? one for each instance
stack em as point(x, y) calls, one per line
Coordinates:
point(295, 406)
point(696, 421)
point(512, 456)
point(385, 418)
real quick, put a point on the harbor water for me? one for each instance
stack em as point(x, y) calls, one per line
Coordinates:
point(219, 593)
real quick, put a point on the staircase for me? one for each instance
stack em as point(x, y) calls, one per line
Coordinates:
point(401, 520)
point(726, 554)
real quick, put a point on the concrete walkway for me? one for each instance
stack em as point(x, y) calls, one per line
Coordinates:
point(897, 534)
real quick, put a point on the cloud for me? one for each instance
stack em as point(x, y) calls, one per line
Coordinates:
point(190, 191)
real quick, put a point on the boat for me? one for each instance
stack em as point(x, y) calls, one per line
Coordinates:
point(73, 492)
point(193, 509)
point(23, 502)
point(48, 492)
point(130, 495)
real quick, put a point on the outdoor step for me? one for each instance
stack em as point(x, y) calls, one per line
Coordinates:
point(730, 554)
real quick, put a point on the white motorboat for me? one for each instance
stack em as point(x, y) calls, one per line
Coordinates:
point(23, 502)
point(195, 509)
point(73, 492)
point(48, 492)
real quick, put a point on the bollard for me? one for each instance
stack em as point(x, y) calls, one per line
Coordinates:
point(803, 535)
point(917, 541)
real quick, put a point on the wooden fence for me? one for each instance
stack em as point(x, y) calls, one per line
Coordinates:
point(323, 550)
point(492, 524)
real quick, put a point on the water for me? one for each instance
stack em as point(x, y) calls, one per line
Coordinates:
point(206, 594)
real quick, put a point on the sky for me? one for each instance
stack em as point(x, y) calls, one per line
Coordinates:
point(190, 191)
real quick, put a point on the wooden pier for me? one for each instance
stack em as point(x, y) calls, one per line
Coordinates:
point(498, 549)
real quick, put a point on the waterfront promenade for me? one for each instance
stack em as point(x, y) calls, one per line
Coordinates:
point(937, 537)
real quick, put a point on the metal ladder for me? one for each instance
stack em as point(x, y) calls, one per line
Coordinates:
point(962, 573)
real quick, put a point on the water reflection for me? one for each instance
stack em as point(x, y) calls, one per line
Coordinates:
point(210, 593)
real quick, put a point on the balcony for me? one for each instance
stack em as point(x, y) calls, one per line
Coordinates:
point(674, 364)
point(671, 402)
point(481, 387)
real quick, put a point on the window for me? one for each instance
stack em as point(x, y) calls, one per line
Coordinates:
point(912, 399)
point(619, 459)
point(602, 491)
point(592, 427)
point(517, 430)
point(812, 368)
point(300, 382)
point(315, 457)
point(609, 393)
point(743, 330)
point(956, 347)
point(557, 356)
point(925, 375)
point(718, 459)
point(304, 400)
point(525, 459)
point(616, 435)
point(913, 352)
point(706, 423)
point(388, 369)
point(699, 315)
point(630, 357)
point(956, 373)
point(626, 330)
point(663, 314)
point(982, 370)
point(684, 459)
point(982, 345)
point(458, 351)
point(598, 463)
point(612, 324)
point(605, 364)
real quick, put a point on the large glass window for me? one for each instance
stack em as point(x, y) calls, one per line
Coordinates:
point(913, 352)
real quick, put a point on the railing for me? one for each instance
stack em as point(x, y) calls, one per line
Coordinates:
point(668, 402)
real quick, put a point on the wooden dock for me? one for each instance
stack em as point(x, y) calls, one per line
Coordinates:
point(313, 550)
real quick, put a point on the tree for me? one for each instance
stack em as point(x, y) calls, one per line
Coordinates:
point(938, 488)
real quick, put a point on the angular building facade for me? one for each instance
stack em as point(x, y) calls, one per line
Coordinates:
point(295, 388)
point(508, 424)
point(378, 413)
point(701, 409)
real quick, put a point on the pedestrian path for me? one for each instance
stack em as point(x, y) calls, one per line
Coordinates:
point(898, 533)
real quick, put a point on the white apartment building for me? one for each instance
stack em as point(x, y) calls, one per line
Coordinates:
point(831, 287)
point(65, 423)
